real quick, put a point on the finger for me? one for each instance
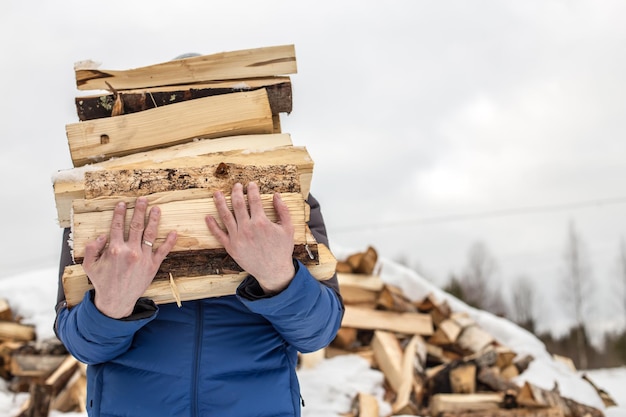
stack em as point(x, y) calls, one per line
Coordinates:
point(117, 224)
point(93, 250)
point(224, 212)
point(216, 230)
point(151, 231)
point(254, 201)
point(282, 211)
point(137, 221)
point(166, 247)
point(240, 208)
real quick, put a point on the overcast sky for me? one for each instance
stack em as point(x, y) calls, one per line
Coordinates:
point(433, 124)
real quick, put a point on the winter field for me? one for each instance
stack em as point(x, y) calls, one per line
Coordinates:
point(328, 388)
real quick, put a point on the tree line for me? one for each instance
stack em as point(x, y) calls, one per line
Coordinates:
point(577, 297)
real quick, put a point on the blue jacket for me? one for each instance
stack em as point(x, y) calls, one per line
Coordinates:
point(227, 356)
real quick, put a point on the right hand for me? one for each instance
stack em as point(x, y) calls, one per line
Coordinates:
point(121, 272)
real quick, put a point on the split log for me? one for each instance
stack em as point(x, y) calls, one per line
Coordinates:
point(463, 378)
point(359, 289)
point(221, 177)
point(533, 396)
point(133, 101)
point(391, 298)
point(516, 412)
point(345, 337)
point(474, 339)
point(35, 367)
point(607, 400)
point(491, 377)
point(447, 333)
point(361, 262)
point(388, 355)
point(367, 405)
point(249, 63)
point(367, 282)
point(210, 117)
point(458, 403)
point(439, 310)
point(358, 296)
point(76, 283)
point(183, 211)
point(5, 310)
point(6, 352)
point(407, 323)
point(403, 403)
point(16, 331)
point(505, 357)
point(72, 396)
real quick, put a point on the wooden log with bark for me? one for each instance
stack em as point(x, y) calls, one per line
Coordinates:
point(132, 101)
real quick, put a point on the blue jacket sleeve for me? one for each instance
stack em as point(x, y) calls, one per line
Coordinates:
point(91, 336)
point(307, 313)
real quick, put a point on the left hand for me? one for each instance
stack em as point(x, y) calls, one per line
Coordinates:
point(262, 248)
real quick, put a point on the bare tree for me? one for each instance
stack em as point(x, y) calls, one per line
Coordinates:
point(576, 290)
point(476, 280)
point(622, 273)
point(523, 303)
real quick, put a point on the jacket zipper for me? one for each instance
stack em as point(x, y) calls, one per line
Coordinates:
point(197, 357)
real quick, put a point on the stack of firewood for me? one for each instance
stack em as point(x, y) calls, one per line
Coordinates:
point(175, 132)
point(436, 361)
point(54, 379)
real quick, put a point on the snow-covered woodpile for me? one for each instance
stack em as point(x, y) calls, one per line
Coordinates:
point(54, 379)
point(436, 361)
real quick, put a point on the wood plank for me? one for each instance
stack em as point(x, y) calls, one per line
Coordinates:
point(210, 117)
point(76, 283)
point(92, 107)
point(408, 323)
point(248, 63)
point(183, 211)
point(222, 177)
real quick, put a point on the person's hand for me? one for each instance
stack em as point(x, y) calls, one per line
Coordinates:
point(264, 249)
point(121, 272)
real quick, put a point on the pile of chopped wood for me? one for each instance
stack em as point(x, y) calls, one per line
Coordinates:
point(176, 132)
point(436, 361)
point(54, 379)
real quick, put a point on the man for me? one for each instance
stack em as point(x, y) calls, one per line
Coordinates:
point(225, 356)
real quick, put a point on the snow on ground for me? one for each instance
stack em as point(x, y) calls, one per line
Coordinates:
point(328, 389)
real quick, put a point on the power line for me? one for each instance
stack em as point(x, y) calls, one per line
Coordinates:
point(483, 215)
